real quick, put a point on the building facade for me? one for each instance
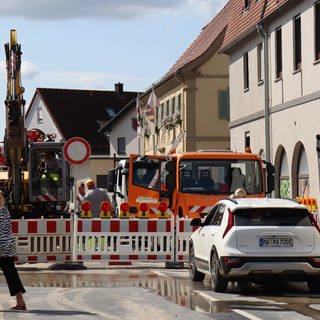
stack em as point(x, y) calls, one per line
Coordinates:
point(193, 110)
point(69, 113)
point(274, 64)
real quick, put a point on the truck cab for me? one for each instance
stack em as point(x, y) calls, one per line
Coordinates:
point(188, 183)
point(48, 171)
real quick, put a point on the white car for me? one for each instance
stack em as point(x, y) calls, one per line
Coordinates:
point(258, 240)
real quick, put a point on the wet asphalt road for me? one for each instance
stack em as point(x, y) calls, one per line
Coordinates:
point(148, 291)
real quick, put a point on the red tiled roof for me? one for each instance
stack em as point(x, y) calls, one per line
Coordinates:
point(76, 112)
point(205, 39)
point(241, 22)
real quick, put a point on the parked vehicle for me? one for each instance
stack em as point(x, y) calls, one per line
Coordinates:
point(255, 239)
point(188, 183)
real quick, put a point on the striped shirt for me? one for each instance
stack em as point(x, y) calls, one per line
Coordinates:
point(7, 239)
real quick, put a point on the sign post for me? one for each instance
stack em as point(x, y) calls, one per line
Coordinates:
point(76, 151)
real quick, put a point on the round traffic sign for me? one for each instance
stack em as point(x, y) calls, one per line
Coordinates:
point(77, 150)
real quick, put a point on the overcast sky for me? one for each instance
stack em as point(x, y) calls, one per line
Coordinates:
point(83, 44)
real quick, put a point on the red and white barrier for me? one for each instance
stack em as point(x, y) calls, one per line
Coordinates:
point(111, 240)
point(125, 240)
point(183, 233)
point(42, 240)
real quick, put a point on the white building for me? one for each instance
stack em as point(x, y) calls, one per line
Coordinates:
point(274, 69)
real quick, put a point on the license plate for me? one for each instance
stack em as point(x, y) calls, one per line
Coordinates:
point(275, 242)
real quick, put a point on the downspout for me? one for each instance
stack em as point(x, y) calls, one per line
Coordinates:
point(264, 34)
point(181, 80)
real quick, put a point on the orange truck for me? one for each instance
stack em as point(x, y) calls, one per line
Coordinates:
point(185, 184)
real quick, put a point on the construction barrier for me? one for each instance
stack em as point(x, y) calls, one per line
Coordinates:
point(183, 233)
point(124, 239)
point(118, 240)
point(43, 240)
point(77, 240)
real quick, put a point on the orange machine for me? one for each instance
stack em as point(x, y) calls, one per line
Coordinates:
point(186, 184)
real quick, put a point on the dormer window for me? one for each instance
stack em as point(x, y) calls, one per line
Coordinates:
point(110, 112)
point(246, 5)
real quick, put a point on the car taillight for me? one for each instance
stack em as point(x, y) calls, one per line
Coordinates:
point(230, 223)
point(315, 261)
point(314, 222)
point(232, 261)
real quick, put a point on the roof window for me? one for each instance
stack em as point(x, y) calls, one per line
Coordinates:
point(246, 5)
point(110, 112)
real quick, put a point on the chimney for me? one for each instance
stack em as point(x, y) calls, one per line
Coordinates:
point(118, 88)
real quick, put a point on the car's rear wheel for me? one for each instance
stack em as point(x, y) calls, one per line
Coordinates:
point(195, 275)
point(218, 282)
point(314, 284)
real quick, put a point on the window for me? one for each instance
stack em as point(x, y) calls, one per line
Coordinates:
point(102, 181)
point(246, 5)
point(160, 114)
point(259, 61)
point(272, 217)
point(278, 53)
point(245, 71)
point(224, 104)
point(110, 112)
point(122, 145)
point(145, 173)
point(167, 108)
point(247, 139)
point(40, 115)
point(317, 30)
point(297, 43)
point(227, 175)
point(179, 103)
point(217, 219)
point(173, 104)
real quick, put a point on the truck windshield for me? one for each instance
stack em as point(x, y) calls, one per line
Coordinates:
point(145, 173)
point(46, 172)
point(221, 177)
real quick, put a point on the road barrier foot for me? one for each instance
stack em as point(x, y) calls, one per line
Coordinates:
point(174, 265)
point(68, 266)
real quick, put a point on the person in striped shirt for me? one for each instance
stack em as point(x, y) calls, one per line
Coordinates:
point(7, 254)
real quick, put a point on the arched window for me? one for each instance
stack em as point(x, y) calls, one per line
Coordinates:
point(303, 175)
point(284, 179)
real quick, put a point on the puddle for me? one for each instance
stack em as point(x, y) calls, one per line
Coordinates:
point(180, 291)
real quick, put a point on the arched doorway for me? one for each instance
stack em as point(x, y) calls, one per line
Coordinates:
point(282, 177)
point(300, 172)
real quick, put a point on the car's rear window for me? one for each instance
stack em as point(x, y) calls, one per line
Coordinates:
point(272, 217)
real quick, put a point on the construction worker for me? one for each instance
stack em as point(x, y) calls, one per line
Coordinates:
point(95, 196)
point(239, 193)
point(50, 177)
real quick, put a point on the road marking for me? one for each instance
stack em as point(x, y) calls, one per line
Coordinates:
point(246, 314)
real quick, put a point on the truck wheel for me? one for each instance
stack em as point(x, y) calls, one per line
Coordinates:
point(218, 282)
point(195, 275)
